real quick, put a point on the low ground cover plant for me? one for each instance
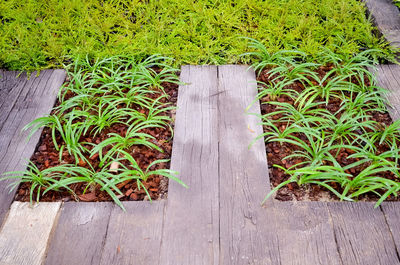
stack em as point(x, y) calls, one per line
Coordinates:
point(109, 135)
point(326, 126)
point(37, 34)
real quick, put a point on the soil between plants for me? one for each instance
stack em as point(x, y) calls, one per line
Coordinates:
point(276, 152)
point(46, 156)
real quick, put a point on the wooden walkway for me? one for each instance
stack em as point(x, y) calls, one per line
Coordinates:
point(217, 220)
point(386, 17)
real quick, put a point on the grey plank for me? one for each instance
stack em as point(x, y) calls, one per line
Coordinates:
point(304, 233)
point(245, 235)
point(362, 235)
point(25, 234)
point(134, 236)
point(391, 210)
point(191, 220)
point(388, 76)
point(386, 17)
point(80, 234)
point(21, 101)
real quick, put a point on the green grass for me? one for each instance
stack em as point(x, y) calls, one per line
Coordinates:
point(37, 34)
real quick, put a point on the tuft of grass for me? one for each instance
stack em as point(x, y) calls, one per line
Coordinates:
point(37, 34)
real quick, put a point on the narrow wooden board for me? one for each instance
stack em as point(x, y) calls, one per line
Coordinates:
point(391, 211)
point(192, 220)
point(245, 234)
point(22, 100)
point(388, 77)
point(80, 233)
point(24, 236)
point(386, 17)
point(362, 234)
point(134, 236)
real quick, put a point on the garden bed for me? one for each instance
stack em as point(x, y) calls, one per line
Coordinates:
point(327, 130)
point(109, 136)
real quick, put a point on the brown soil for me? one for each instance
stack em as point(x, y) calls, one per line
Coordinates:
point(46, 156)
point(276, 152)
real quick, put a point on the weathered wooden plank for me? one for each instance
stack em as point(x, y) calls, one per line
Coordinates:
point(304, 233)
point(192, 220)
point(245, 235)
point(386, 16)
point(22, 100)
point(388, 76)
point(391, 211)
point(24, 236)
point(362, 235)
point(134, 236)
point(80, 234)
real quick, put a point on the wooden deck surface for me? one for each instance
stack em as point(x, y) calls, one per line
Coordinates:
point(218, 219)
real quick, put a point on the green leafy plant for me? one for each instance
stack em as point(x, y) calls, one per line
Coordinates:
point(39, 34)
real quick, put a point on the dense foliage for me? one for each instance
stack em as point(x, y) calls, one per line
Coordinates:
point(324, 116)
point(37, 34)
point(119, 99)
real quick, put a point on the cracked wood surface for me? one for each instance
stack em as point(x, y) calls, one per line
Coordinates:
point(134, 236)
point(21, 101)
point(191, 226)
point(388, 76)
point(386, 17)
point(243, 171)
point(391, 211)
point(80, 233)
point(362, 234)
point(25, 234)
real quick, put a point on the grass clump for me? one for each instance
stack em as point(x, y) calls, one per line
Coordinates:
point(37, 34)
point(328, 124)
point(106, 112)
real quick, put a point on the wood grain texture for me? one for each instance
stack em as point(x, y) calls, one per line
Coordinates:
point(80, 233)
point(304, 233)
point(391, 211)
point(386, 17)
point(21, 101)
point(362, 235)
point(388, 77)
point(191, 219)
point(245, 235)
point(134, 236)
point(24, 236)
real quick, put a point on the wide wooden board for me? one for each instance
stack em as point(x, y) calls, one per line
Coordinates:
point(80, 233)
point(24, 236)
point(245, 235)
point(191, 219)
point(134, 236)
point(21, 101)
point(386, 17)
point(362, 234)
